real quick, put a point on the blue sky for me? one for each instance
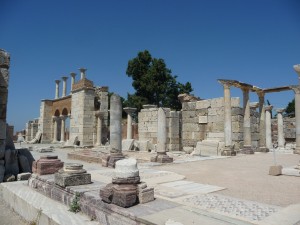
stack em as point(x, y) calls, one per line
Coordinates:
point(256, 42)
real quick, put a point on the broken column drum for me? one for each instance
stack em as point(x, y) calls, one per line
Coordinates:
point(47, 165)
point(126, 189)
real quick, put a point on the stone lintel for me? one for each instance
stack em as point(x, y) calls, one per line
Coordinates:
point(277, 89)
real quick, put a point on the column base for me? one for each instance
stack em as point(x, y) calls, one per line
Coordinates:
point(297, 150)
point(161, 158)
point(228, 151)
point(263, 149)
point(113, 158)
point(247, 149)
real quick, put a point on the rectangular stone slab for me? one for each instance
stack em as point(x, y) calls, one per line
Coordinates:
point(64, 180)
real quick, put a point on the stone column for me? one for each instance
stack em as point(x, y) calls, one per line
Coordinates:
point(296, 89)
point(228, 149)
point(99, 115)
point(297, 69)
point(268, 110)
point(161, 149)
point(55, 118)
point(262, 123)
point(115, 132)
point(254, 128)
point(129, 112)
point(73, 75)
point(31, 131)
point(280, 136)
point(4, 79)
point(63, 128)
point(64, 91)
point(247, 149)
point(57, 89)
point(82, 73)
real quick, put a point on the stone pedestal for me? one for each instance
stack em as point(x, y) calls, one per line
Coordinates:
point(275, 170)
point(72, 174)
point(126, 189)
point(47, 165)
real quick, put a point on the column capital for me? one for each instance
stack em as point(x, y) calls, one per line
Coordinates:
point(73, 74)
point(63, 117)
point(295, 88)
point(64, 78)
point(99, 114)
point(82, 70)
point(297, 69)
point(129, 110)
point(55, 118)
point(254, 105)
point(260, 93)
point(268, 107)
point(57, 81)
point(226, 83)
point(280, 110)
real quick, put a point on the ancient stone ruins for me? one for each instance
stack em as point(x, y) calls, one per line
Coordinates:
point(88, 120)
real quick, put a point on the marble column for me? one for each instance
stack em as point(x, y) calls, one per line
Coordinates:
point(99, 116)
point(296, 89)
point(228, 149)
point(247, 149)
point(82, 73)
point(262, 123)
point(161, 149)
point(57, 89)
point(268, 110)
point(280, 136)
point(129, 112)
point(64, 91)
point(63, 128)
point(55, 120)
point(73, 75)
point(254, 124)
point(115, 131)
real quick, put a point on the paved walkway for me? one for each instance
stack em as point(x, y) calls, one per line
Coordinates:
point(213, 190)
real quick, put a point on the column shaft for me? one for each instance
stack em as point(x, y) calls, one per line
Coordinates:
point(247, 149)
point(262, 123)
point(280, 136)
point(269, 144)
point(63, 127)
point(99, 130)
point(129, 126)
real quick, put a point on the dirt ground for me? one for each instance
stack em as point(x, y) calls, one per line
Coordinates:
point(246, 177)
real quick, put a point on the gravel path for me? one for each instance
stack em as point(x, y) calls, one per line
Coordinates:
point(245, 177)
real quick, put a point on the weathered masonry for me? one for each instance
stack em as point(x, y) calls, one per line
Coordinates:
point(76, 115)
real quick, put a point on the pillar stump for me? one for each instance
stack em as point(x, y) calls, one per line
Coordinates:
point(47, 165)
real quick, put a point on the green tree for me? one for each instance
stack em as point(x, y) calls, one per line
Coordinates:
point(290, 109)
point(154, 83)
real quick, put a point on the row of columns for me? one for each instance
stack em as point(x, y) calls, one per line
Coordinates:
point(265, 132)
point(56, 120)
point(64, 79)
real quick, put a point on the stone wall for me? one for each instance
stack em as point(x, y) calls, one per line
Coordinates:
point(46, 121)
point(289, 129)
point(205, 120)
point(82, 122)
point(147, 127)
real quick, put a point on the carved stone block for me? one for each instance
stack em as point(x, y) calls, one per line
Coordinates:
point(64, 179)
point(124, 195)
